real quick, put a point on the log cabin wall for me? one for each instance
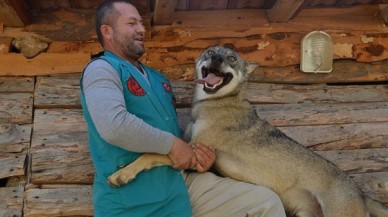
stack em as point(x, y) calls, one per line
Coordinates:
point(45, 168)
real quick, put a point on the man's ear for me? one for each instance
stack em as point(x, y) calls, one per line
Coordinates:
point(250, 66)
point(106, 31)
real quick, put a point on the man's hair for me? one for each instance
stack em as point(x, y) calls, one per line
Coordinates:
point(106, 14)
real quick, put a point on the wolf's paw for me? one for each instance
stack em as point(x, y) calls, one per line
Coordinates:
point(119, 178)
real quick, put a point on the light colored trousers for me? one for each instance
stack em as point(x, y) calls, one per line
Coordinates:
point(214, 196)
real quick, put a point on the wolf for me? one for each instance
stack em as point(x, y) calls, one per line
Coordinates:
point(249, 149)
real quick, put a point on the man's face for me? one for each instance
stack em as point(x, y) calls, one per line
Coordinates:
point(128, 32)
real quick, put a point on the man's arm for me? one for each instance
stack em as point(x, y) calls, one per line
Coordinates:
point(104, 98)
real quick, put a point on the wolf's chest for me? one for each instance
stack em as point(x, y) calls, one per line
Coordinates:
point(199, 127)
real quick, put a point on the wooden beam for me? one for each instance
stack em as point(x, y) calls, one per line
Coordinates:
point(64, 201)
point(284, 10)
point(11, 200)
point(43, 64)
point(164, 12)
point(85, 4)
point(13, 13)
point(384, 12)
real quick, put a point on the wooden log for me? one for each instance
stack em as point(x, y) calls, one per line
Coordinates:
point(344, 71)
point(11, 201)
point(74, 201)
point(329, 18)
point(374, 185)
point(92, 47)
point(60, 154)
point(65, 24)
point(43, 64)
point(283, 11)
point(12, 164)
point(17, 84)
point(14, 138)
point(59, 91)
point(164, 11)
point(5, 44)
point(16, 107)
point(13, 13)
point(267, 93)
point(62, 91)
point(340, 136)
point(358, 161)
point(322, 114)
point(270, 50)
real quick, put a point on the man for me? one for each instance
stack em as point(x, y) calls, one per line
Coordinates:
point(129, 110)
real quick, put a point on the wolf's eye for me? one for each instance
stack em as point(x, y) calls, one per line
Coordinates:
point(211, 52)
point(232, 58)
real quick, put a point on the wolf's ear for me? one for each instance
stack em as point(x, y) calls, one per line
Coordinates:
point(250, 66)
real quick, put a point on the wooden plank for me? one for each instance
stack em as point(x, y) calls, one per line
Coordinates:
point(358, 161)
point(282, 11)
point(63, 91)
point(48, 4)
point(5, 44)
point(384, 12)
point(12, 13)
point(164, 12)
point(286, 93)
point(323, 113)
point(12, 164)
point(17, 84)
point(11, 201)
point(92, 47)
point(308, 19)
point(43, 64)
point(58, 91)
point(14, 138)
point(85, 3)
point(172, 47)
point(259, 93)
point(64, 24)
point(345, 71)
point(73, 201)
point(340, 136)
point(249, 4)
point(374, 185)
point(59, 148)
point(16, 107)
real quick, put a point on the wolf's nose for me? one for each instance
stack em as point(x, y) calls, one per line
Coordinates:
point(217, 59)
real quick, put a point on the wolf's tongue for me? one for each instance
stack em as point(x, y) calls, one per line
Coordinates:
point(211, 79)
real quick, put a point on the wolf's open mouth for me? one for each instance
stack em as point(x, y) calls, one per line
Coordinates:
point(213, 79)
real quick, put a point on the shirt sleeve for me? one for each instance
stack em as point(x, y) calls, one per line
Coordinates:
point(105, 102)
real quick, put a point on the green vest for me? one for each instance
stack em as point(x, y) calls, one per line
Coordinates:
point(158, 192)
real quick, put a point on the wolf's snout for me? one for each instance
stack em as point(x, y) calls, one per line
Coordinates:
point(216, 60)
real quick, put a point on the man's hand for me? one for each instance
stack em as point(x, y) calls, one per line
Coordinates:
point(182, 155)
point(206, 156)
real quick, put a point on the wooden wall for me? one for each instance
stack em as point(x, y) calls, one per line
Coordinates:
point(343, 116)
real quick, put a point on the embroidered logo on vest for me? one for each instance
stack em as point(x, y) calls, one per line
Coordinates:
point(135, 87)
point(167, 87)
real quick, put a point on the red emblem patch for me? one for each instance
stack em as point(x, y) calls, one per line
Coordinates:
point(135, 87)
point(167, 87)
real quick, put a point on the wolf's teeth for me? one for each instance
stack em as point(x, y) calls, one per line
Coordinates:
point(214, 86)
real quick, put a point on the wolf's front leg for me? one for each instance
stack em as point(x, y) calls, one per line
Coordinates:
point(144, 162)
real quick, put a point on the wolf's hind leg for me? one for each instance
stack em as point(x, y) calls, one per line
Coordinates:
point(301, 203)
point(144, 162)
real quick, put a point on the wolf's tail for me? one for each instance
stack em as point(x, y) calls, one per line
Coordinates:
point(376, 208)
